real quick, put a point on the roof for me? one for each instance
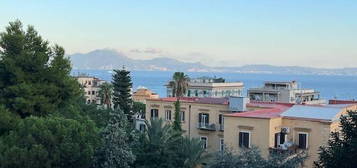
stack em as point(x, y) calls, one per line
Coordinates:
point(202, 100)
point(270, 110)
point(342, 102)
point(317, 112)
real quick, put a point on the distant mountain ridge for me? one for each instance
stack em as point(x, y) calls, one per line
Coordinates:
point(110, 59)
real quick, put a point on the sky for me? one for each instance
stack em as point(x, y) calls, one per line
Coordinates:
point(318, 33)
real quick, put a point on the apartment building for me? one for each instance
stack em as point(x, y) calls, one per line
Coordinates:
point(237, 123)
point(285, 128)
point(210, 87)
point(91, 86)
point(286, 92)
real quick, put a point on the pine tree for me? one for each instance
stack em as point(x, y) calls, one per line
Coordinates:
point(341, 150)
point(121, 96)
point(34, 77)
point(115, 151)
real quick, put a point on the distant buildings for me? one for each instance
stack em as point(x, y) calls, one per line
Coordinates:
point(237, 124)
point(286, 92)
point(210, 87)
point(91, 87)
point(141, 94)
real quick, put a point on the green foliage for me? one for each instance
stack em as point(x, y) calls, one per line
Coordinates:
point(139, 108)
point(121, 96)
point(8, 121)
point(177, 122)
point(251, 158)
point(105, 94)
point(48, 142)
point(34, 77)
point(341, 150)
point(161, 146)
point(115, 151)
point(179, 84)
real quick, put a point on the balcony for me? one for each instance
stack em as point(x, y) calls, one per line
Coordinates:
point(290, 150)
point(221, 127)
point(206, 126)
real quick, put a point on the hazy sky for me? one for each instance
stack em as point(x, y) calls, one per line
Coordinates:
point(214, 32)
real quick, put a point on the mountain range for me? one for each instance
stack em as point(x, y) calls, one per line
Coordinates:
point(106, 59)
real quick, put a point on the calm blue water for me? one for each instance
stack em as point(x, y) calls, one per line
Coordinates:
point(341, 87)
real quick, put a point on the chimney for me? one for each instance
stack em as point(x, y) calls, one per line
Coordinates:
point(238, 104)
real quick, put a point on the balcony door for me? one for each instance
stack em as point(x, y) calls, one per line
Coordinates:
point(203, 119)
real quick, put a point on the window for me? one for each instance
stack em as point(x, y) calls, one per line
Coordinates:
point(221, 144)
point(168, 115)
point(154, 113)
point(204, 140)
point(93, 92)
point(280, 138)
point(244, 139)
point(303, 140)
point(196, 93)
point(142, 127)
point(88, 92)
point(189, 93)
point(203, 119)
point(182, 116)
point(221, 121)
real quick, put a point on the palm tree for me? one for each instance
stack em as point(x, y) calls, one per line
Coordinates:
point(193, 152)
point(105, 94)
point(179, 84)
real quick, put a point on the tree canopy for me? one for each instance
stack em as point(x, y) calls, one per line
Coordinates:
point(122, 87)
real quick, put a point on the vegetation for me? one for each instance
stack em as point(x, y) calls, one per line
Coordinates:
point(341, 150)
point(179, 84)
point(177, 122)
point(34, 77)
point(139, 108)
point(105, 94)
point(115, 150)
point(122, 87)
point(251, 158)
point(161, 146)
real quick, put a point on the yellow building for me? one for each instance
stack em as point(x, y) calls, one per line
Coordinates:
point(91, 86)
point(283, 128)
point(141, 94)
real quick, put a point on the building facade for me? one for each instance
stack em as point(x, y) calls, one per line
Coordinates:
point(142, 94)
point(91, 86)
point(237, 123)
point(210, 87)
point(286, 92)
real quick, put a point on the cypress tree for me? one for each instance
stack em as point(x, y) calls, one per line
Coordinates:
point(121, 96)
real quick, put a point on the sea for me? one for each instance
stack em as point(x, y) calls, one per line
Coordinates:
point(329, 86)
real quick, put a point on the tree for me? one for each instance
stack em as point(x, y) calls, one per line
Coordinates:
point(155, 149)
point(34, 77)
point(251, 158)
point(179, 85)
point(139, 108)
point(177, 122)
point(121, 95)
point(115, 151)
point(48, 142)
point(105, 94)
point(192, 153)
point(341, 150)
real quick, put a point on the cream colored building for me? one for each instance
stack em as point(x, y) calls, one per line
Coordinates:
point(286, 92)
point(91, 86)
point(285, 129)
point(235, 123)
point(141, 94)
point(210, 87)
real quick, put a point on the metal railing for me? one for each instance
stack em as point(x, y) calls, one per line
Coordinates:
point(206, 126)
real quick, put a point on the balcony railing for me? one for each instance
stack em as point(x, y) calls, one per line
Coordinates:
point(290, 150)
point(207, 126)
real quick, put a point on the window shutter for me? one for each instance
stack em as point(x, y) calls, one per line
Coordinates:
point(246, 140)
point(240, 139)
point(220, 119)
point(302, 141)
point(200, 118)
point(276, 140)
point(282, 138)
point(207, 118)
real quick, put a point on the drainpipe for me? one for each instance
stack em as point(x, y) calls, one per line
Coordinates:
point(189, 121)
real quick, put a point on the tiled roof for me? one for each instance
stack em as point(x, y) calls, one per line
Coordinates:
point(203, 100)
point(269, 110)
